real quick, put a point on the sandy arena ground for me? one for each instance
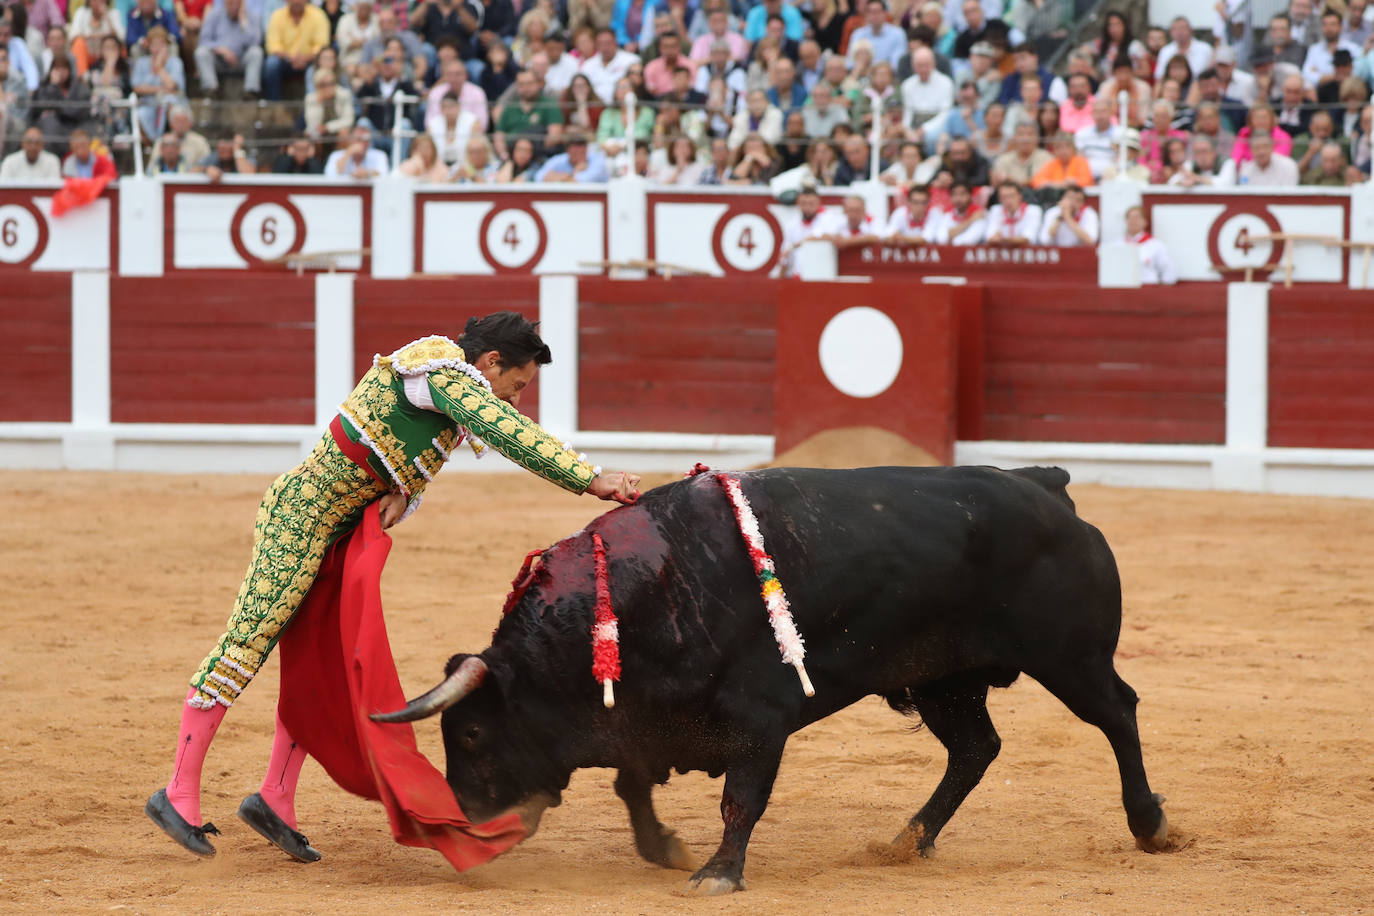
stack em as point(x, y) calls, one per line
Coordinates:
point(1249, 634)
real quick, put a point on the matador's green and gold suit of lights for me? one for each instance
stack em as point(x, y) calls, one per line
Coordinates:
point(394, 432)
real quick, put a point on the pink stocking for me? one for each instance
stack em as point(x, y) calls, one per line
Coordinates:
point(283, 771)
point(198, 728)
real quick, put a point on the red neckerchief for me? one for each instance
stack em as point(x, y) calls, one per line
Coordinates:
point(1142, 238)
point(1011, 221)
point(910, 224)
point(862, 226)
point(819, 211)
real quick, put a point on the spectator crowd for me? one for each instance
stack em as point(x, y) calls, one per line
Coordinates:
point(957, 94)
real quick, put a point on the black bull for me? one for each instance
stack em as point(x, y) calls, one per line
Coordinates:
point(922, 586)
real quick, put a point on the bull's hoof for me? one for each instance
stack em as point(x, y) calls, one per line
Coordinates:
point(908, 845)
point(713, 886)
point(665, 849)
point(1157, 841)
point(675, 853)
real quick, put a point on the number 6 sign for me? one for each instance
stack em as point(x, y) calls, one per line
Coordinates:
point(23, 234)
point(263, 231)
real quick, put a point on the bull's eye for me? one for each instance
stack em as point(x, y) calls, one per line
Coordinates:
point(471, 736)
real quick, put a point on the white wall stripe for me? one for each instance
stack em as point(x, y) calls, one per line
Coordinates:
point(90, 348)
point(333, 344)
point(558, 380)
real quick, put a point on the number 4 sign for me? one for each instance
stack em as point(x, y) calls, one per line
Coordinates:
point(745, 243)
point(513, 238)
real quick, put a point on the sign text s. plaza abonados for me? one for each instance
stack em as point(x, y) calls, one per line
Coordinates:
point(950, 254)
point(1026, 260)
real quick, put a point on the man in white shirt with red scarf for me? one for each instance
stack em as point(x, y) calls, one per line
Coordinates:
point(1156, 267)
point(1071, 223)
point(914, 224)
point(1012, 221)
point(857, 227)
point(813, 221)
point(965, 223)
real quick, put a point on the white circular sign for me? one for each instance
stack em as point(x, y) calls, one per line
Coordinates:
point(268, 231)
point(1235, 245)
point(19, 234)
point(861, 352)
point(747, 242)
point(513, 238)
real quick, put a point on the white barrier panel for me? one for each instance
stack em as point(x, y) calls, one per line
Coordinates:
point(140, 218)
point(1235, 228)
point(718, 232)
point(393, 228)
point(625, 202)
point(32, 238)
point(484, 231)
point(1362, 232)
point(238, 225)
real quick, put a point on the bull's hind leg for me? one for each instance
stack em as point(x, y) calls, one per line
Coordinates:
point(956, 712)
point(1095, 693)
point(656, 843)
point(748, 783)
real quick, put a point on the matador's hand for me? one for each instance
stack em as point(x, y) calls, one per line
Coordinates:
point(393, 507)
point(621, 486)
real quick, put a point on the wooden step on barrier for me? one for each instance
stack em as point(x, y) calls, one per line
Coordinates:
point(327, 261)
point(1249, 270)
point(1366, 247)
point(665, 270)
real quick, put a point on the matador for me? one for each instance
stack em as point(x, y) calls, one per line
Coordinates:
point(402, 422)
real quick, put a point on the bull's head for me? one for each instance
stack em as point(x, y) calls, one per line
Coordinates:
point(495, 766)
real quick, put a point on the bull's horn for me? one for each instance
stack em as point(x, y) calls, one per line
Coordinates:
point(463, 681)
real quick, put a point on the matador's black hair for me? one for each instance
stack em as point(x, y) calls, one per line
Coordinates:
point(510, 334)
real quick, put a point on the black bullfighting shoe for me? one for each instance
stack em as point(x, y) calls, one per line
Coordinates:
point(256, 813)
point(192, 839)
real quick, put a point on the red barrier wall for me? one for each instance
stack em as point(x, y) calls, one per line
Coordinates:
point(1079, 364)
point(388, 314)
point(238, 348)
point(691, 354)
point(1321, 369)
point(36, 326)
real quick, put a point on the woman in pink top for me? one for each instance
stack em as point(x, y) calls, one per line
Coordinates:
point(1261, 118)
point(1153, 141)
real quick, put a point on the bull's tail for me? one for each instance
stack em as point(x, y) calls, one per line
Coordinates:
point(1053, 480)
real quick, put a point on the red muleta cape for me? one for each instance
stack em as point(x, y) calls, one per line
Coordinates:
point(78, 192)
point(336, 669)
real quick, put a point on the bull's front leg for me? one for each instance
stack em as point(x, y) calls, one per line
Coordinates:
point(747, 787)
point(656, 843)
